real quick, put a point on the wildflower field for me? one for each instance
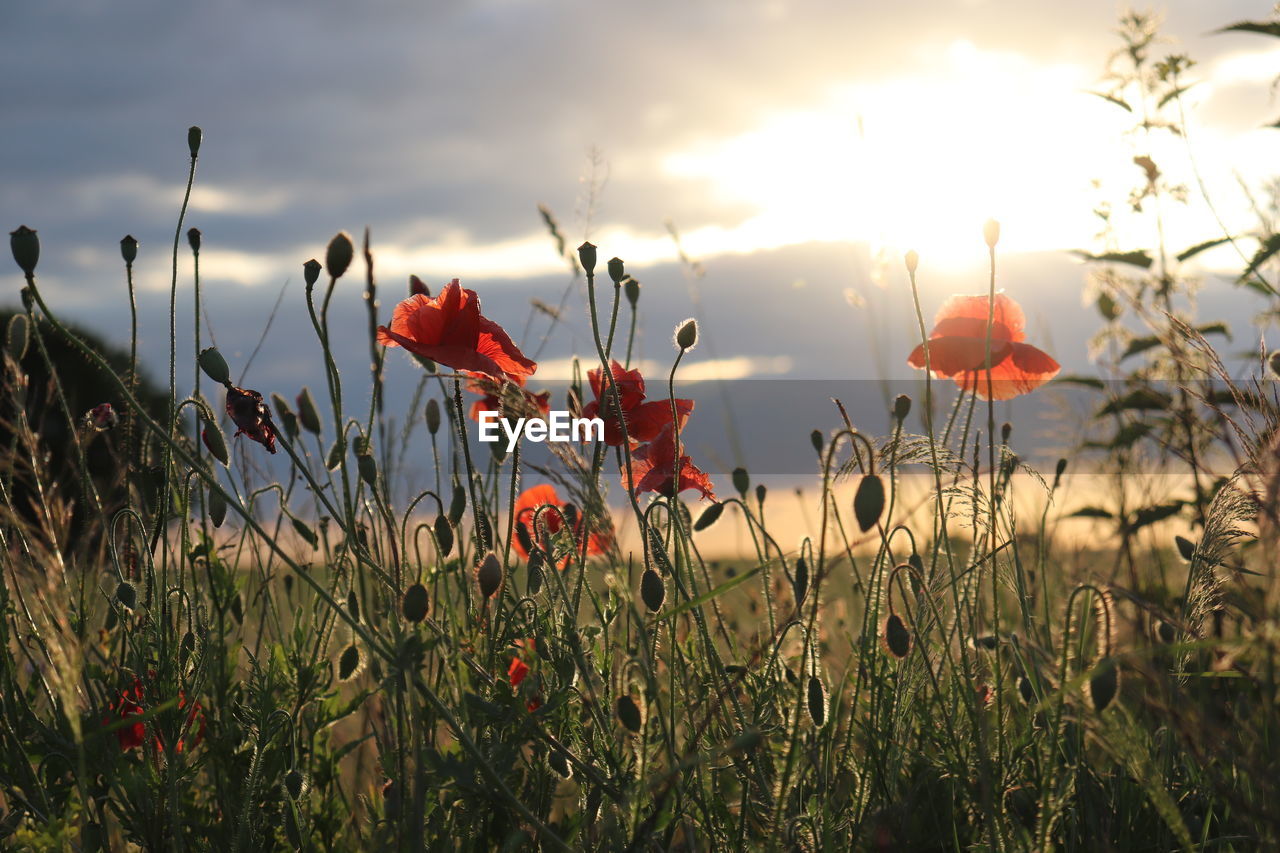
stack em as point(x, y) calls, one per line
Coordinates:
point(538, 651)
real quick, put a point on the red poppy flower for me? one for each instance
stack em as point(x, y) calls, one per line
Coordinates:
point(516, 674)
point(517, 671)
point(653, 467)
point(644, 420)
point(130, 703)
point(518, 402)
point(958, 349)
point(451, 330)
point(526, 509)
point(251, 416)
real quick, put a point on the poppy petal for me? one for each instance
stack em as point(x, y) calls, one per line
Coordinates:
point(1006, 313)
point(1027, 369)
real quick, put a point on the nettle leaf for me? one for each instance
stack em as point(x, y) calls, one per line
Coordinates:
point(1084, 381)
point(1218, 328)
point(1264, 28)
point(1269, 247)
point(1187, 254)
point(1126, 436)
point(1158, 512)
point(1108, 307)
point(1140, 344)
point(1138, 258)
point(1173, 93)
point(1140, 399)
point(1091, 512)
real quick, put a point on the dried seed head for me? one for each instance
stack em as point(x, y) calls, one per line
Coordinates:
point(895, 636)
point(652, 590)
point(414, 604)
point(629, 714)
point(687, 335)
point(128, 248)
point(489, 575)
point(631, 288)
point(214, 365)
point(868, 501)
point(587, 257)
point(617, 271)
point(338, 254)
point(817, 700)
point(311, 272)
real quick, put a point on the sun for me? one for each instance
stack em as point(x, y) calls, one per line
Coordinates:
point(920, 160)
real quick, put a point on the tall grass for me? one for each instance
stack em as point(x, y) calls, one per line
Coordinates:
point(201, 659)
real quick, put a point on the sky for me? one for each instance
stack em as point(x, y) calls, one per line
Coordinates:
point(798, 148)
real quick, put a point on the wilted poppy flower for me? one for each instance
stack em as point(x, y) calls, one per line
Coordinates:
point(450, 329)
point(509, 396)
point(644, 420)
point(251, 416)
point(101, 417)
point(526, 509)
point(958, 349)
point(653, 467)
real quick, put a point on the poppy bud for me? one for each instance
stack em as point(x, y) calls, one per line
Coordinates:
point(895, 636)
point(348, 663)
point(800, 581)
point(1059, 471)
point(587, 257)
point(128, 248)
point(535, 573)
point(368, 468)
point(26, 249)
point(817, 700)
point(817, 440)
point(991, 233)
point(912, 260)
point(334, 459)
point(306, 533)
point(17, 337)
point(444, 535)
point(337, 257)
point(293, 784)
point(286, 415)
point(629, 714)
point(652, 590)
point(127, 595)
point(193, 239)
point(489, 575)
point(868, 501)
point(194, 136)
point(616, 271)
point(214, 365)
point(901, 408)
point(308, 416)
point(1165, 632)
point(433, 416)
point(417, 287)
point(709, 516)
point(1104, 685)
point(1006, 430)
point(761, 491)
point(414, 605)
point(1186, 548)
point(311, 272)
point(631, 288)
point(687, 334)
point(560, 764)
point(458, 504)
point(217, 508)
point(212, 437)
point(353, 605)
point(741, 480)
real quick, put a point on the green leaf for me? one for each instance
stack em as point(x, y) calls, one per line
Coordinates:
point(1138, 258)
point(1186, 254)
point(1126, 436)
point(709, 594)
point(1265, 28)
point(1169, 96)
point(1152, 514)
point(1084, 381)
point(1091, 512)
point(1140, 399)
point(1141, 344)
point(1114, 100)
point(1269, 247)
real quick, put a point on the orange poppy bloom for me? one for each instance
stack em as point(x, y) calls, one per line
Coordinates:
point(545, 495)
point(645, 420)
point(958, 349)
point(451, 330)
point(653, 467)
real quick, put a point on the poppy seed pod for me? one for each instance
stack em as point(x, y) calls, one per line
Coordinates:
point(587, 257)
point(631, 288)
point(128, 248)
point(193, 239)
point(761, 491)
point(991, 232)
point(311, 272)
point(687, 334)
point(214, 365)
point(338, 255)
point(912, 260)
point(489, 575)
point(616, 270)
point(25, 245)
point(901, 408)
point(194, 137)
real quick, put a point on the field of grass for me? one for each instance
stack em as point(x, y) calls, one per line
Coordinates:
point(202, 658)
